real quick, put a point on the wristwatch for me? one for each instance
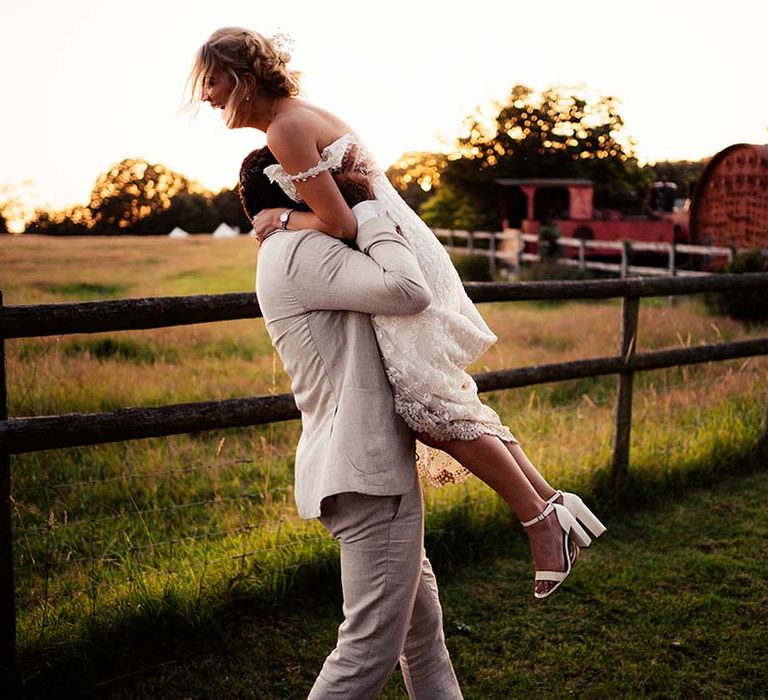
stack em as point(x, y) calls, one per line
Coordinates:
point(284, 219)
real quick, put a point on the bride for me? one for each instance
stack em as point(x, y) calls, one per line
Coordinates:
point(319, 159)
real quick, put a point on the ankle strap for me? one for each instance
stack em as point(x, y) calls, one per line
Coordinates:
point(544, 513)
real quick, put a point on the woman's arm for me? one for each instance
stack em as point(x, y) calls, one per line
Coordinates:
point(268, 220)
point(296, 150)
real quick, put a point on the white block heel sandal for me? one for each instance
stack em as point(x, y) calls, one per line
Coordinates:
point(573, 537)
point(579, 510)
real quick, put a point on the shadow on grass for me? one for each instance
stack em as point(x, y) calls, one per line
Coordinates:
point(174, 629)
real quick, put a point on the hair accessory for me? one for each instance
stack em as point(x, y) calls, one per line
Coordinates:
point(283, 43)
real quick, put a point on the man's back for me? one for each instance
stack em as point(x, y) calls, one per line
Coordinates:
point(307, 282)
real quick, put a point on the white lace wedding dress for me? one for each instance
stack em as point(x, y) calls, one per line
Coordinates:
point(425, 355)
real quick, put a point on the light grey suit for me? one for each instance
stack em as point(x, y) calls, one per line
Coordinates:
point(355, 462)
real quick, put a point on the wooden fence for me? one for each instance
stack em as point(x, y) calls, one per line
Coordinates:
point(29, 434)
point(492, 245)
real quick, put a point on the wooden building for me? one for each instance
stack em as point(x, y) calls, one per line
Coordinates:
point(568, 205)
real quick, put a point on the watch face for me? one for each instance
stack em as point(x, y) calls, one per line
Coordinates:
point(284, 217)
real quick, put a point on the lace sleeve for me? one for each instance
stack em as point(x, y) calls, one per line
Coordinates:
point(345, 158)
point(330, 159)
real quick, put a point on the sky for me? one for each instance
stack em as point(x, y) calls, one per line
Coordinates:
point(88, 83)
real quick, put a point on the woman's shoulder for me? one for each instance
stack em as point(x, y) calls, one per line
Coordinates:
point(307, 123)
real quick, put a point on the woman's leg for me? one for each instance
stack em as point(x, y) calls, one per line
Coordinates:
point(490, 460)
point(539, 483)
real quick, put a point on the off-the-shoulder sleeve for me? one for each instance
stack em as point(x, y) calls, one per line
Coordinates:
point(277, 174)
point(330, 159)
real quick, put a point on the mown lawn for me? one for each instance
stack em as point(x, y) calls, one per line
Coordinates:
point(671, 603)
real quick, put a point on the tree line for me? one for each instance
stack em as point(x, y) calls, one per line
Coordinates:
point(558, 132)
point(135, 197)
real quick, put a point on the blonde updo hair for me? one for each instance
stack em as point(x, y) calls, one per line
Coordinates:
point(253, 62)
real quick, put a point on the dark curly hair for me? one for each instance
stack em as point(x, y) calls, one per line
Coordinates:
point(256, 191)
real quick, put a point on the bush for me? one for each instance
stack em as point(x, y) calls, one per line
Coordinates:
point(552, 270)
point(750, 306)
point(473, 268)
point(549, 244)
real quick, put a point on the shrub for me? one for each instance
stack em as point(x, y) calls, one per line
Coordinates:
point(549, 245)
point(552, 270)
point(748, 306)
point(473, 268)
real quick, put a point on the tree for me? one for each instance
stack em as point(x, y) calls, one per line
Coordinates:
point(229, 209)
point(416, 175)
point(684, 173)
point(125, 198)
point(15, 205)
point(192, 211)
point(559, 132)
point(76, 221)
point(450, 207)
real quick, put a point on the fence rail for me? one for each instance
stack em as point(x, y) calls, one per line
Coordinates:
point(518, 256)
point(29, 434)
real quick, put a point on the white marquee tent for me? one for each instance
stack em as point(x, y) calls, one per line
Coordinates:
point(225, 231)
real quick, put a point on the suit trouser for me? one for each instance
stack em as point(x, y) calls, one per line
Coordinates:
point(391, 607)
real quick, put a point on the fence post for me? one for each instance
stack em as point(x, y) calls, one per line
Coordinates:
point(582, 254)
point(7, 599)
point(492, 252)
point(625, 250)
point(619, 470)
point(470, 241)
point(672, 261)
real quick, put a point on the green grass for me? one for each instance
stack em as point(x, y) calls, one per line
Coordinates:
point(119, 349)
point(152, 544)
point(85, 290)
point(671, 603)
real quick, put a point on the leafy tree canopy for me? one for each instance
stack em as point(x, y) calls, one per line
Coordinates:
point(416, 175)
point(130, 193)
point(559, 132)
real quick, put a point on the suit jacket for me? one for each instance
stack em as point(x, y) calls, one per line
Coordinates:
point(317, 294)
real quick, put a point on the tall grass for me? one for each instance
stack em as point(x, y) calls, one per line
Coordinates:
point(118, 534)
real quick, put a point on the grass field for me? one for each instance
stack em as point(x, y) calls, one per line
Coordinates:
point(671, 603)
point(113, 538)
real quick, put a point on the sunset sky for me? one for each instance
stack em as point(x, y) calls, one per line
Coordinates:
point(88, 83)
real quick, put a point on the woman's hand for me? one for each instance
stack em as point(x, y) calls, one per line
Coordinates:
point(265, 222)
point(355, 187)
point(353, 178)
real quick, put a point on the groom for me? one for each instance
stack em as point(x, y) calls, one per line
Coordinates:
point(355, 461)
